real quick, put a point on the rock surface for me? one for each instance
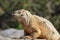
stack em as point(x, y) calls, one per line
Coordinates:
point(13, 34)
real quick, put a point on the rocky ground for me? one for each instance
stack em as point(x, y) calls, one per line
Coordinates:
point(13, 34)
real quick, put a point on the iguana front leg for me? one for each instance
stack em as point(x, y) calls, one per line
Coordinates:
point(35, 34)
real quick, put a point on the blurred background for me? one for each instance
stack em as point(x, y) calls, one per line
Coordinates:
point(49, 9)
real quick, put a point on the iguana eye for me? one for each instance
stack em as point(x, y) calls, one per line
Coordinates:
point(19, 12)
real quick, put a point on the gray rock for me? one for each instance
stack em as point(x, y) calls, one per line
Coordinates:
point(4, 38)
point(12, 33)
